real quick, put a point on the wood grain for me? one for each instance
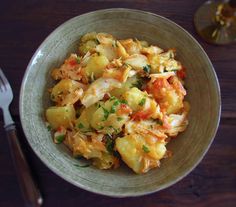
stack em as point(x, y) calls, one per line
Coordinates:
point(25, 24)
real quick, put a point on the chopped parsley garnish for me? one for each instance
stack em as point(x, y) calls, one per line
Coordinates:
point(78, 59)
point(96, 40)
point(112, 98)
point(106, 113)
point(113, 107)
point(147, 68)
point(119, 118)
point(80, 126)
point(59, 139)
point(145, 149)
point(123, 102)
point(109, 145)
point(101, 127)
point(49, 127)
point(142, 102)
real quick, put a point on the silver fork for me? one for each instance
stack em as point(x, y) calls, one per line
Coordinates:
point(28, 187)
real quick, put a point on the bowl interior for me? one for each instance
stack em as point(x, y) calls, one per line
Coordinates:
point(188, 148)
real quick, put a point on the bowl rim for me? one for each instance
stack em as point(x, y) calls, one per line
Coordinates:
point(111, 194)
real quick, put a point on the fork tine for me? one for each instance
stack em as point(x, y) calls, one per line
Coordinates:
point(2, 88)
point(4, 80)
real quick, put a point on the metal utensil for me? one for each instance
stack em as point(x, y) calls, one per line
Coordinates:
point(29, 190)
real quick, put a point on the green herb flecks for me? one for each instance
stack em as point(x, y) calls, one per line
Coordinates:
point(49, 127)
point(142, 102)
point(110, 144)
point(145, 149)
point(78, 59)
point(106, 113)
point(97, 42)
point(112, 98)
point(113, 107)
point(100, 127)
point(80, 126)
point(59, 139)
point(147, 68)
point(119, 118)
point(123, 102)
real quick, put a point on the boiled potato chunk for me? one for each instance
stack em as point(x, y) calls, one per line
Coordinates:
point(130, 83)
point(138, 154)
point(96, 65)
point(87, 46)
point(83, 122)
point(106, 119)
point(60, 116)
point(134, 98)
point(67, 91)
point(174, 102)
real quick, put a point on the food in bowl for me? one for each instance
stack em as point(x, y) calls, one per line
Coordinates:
point(118, 100)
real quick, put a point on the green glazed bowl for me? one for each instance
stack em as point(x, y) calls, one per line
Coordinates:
point(188, 148)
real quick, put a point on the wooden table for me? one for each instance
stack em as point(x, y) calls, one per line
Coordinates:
point(25, 24)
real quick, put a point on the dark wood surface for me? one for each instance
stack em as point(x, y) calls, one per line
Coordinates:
point(25, 24)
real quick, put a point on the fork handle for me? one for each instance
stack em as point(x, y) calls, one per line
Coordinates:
point(28, 187)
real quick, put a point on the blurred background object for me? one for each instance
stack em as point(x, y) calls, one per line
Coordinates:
point(215, 21)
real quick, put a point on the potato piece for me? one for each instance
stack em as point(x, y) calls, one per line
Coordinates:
point(130, 83)
point(83, 122)
point(89, 36)
point(95, 66)
point(66, 92)
point(135, 98)
point(173, 102)
point(88, 42)
point(60, 116)
point(138, 154)
point(107, 120)
point(87, 46)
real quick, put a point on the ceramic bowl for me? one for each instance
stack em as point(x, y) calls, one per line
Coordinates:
point(188, 148)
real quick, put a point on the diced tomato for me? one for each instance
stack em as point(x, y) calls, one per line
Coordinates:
point(73, 62)
point(124, 109)
point(60, 129)
point(142, 115)
point(181, 73)
point(161, 83)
